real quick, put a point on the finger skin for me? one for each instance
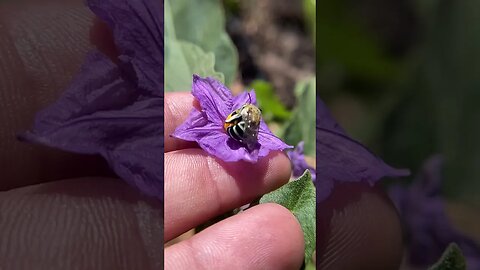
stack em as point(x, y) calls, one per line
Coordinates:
point(199, 187)
point(80, 224)
point(358, 228)
point(42, 45)
point(266, 236)
point(178, 106)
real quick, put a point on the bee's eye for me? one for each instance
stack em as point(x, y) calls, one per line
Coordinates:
point(260, 110)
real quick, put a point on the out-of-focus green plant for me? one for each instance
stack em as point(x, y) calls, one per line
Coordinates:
point(348, 46)
point(196, 42)
point(301, 126)
point(272, 108)
point(309, 10)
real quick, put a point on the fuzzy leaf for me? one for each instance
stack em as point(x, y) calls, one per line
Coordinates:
point(452, 259)
point(203, 24)
point(299, 197)
point(182, 59)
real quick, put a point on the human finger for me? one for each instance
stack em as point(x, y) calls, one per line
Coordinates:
point(178, 106)
point(358, 228)
point(80, 224)
point(266, 236)
point(199, 187)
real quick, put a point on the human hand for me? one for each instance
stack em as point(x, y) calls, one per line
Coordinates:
point(199, 187)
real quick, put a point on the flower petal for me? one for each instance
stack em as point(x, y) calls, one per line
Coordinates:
point(269, 142)
point(243, 98)
point(299, 164)
point(206, 127)
point(138, 34)
point(194, 128)
point(101, 113)
point(340, 158)
point(215, 99)
point(220, 145)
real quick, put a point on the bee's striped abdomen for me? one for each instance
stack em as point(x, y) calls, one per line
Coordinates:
point(236, 131)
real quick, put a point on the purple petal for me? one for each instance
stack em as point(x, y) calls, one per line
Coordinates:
point(300, 147)
point(243, 98)
point(215, 99)
point(429, 181)
point(102, 113)
point(323, 189)
point(195, 127)
point(206, 127)
point(268, 141)
point(325, 119)
point(219, 144)
point(299, 164)
point(426, 221)
point(138, 34)
point(340, 158)
point(140, 163)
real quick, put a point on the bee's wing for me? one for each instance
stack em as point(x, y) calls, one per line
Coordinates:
point(251, 133)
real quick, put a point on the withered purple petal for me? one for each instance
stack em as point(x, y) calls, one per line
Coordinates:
point(206, 127)
point(103, 114)
point(426, 223)
point(299, 164)
point(138, 34)
point(342, 159)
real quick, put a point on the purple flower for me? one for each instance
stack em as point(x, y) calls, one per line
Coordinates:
point(115, 107)
point(427, 226)
point(299, 164)
point(342, 159)
point(206, 127)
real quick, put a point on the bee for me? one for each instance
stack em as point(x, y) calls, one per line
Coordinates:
point(243, 124)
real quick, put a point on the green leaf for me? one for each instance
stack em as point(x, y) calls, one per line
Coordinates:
point(301, 126)
point(309, 10)
point(203, 24)
point(182, 59)
point(299, 197)
point(272, 107)
point(310, 265)
point(452, 259)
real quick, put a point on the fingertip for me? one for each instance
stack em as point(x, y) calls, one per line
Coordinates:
point(288, 230)
point(266, 236)
point(358, 227)
point(178, 106)
point(199, 186)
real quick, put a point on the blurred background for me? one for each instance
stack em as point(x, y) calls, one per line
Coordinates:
point(403, 77)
